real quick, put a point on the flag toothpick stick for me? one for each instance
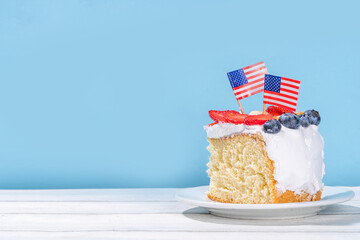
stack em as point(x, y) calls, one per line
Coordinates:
point(241, 108)
point(264, 107)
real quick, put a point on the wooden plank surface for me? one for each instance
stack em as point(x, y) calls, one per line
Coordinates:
point(90, 195)
point(96, 207)
point(102, 195)
point(153, 214)
point(176, 235)
point(173, 222)
point(351, 207)
point(107, 235)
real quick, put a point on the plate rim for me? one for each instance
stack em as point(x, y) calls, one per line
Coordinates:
point(347, 195)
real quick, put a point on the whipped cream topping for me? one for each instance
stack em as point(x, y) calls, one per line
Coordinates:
point(297, 154)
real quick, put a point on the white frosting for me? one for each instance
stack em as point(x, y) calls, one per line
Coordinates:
point(297, 154)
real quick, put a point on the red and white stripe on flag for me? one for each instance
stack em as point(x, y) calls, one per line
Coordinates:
point(280, 91)
point(248, 80)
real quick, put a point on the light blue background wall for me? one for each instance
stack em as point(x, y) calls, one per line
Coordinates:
point(115, 93)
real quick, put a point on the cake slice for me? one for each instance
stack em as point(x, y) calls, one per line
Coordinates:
point(260, 160)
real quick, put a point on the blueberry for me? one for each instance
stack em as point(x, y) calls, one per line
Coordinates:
point(304, 120)
point(314, 116)
point(290, 120)
point(272, 126)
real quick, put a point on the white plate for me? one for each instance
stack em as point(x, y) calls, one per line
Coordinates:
point(197, 197)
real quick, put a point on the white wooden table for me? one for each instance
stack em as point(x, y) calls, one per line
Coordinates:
point(153, 214)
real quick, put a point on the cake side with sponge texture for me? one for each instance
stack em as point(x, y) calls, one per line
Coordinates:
point(240, 171)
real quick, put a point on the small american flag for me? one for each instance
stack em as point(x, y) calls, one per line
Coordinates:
point(280, 91)
point(248, 80)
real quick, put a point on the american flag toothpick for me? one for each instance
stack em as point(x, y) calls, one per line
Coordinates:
point(247, 81)
point(281, 92)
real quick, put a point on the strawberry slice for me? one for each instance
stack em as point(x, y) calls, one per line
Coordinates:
point(236, 118)
point(219, 116)
point(257, 119)
point(212, 124)
point(276, 111)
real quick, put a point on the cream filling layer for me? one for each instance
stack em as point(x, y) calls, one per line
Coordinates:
point(298, 154)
